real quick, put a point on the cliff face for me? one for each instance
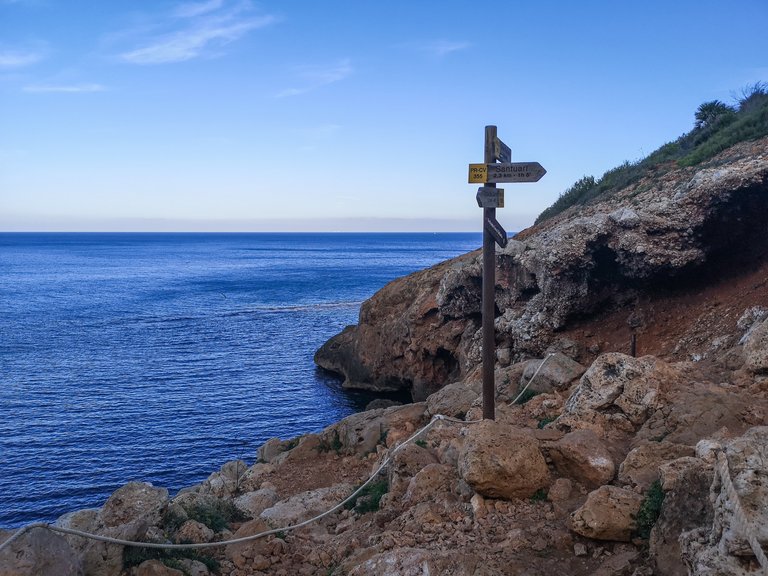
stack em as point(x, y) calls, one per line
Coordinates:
point(674, 228)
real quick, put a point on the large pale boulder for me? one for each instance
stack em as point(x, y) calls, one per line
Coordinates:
point(617, 394)
point(193, 532)
point(39, 552)
point(306, 505)
point(430, 482)
point(127, 515)
point(453, 400)
point(608, 514)
point(556, 373)
point(360, 433)
point(582, 456)
point(254, 503)
point(227, 481)
point(500, 461)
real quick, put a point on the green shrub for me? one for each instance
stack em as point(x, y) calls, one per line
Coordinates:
point(217, 515)
point(525, 396)
point(420, 443)
point(539, 496)
point(650, 510)
point(369, 498)
point(718, 127)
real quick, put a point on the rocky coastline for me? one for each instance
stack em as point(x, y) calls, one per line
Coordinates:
point(610, 464)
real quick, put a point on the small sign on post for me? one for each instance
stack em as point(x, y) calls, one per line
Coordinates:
point(489, 198)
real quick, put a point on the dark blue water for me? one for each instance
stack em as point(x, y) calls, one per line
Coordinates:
point(158, 357)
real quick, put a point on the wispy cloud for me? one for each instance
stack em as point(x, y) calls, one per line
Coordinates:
point(65, 88)
point(192, 9)
point(314, 77)
point(441, 48)
point(199, 28)
point(16, 59)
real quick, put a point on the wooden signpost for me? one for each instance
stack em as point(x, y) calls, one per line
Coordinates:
point(489, 198)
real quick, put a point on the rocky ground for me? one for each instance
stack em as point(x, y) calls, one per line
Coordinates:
point(610, 464)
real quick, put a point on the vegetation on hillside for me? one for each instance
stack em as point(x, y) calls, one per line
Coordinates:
point(718, 126)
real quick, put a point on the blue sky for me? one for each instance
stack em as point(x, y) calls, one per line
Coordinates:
point(341, 115)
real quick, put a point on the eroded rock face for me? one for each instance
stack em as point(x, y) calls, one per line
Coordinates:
point(641, 466)
point(608, 514)
point(500, 461)
point(421, 332)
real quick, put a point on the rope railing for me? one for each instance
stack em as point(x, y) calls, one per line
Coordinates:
point(201, 545)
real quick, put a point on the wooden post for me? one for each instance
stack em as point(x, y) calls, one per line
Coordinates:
point(489, 294)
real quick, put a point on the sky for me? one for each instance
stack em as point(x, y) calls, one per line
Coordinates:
point(341, 115)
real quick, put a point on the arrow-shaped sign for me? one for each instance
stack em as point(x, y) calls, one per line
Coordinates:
point(495, 229)
point(509, 172)
point(501, 151)
point(488, 197)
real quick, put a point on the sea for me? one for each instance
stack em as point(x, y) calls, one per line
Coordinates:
point(159, 357)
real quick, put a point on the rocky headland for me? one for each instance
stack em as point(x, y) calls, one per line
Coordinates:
point(610, 464)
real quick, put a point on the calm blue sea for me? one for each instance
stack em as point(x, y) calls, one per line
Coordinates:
point(158, 357)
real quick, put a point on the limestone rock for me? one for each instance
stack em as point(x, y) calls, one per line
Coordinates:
point(429, 482)
point(193, 532)
point(417, 562)
point(608, 514)
point(39, 552)
point(557, 373)
point(405, 464)
point(454, 400)
point(641, 466)
point(132, 502)
point(500, 461)
point(756, 349)
point(254, 503)
point(306, 504)
point(156, 568)
point(583, 457)
point(227, 481)
point(243, 554)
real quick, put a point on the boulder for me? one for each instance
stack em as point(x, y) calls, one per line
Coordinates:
point(429, 483)
point(500, 461)
point(306, 505)
point(156, 568)
point(454, 400)
point(641, 466)
point(227, 481)
point(416, 562)
point(127, 515)
point(254, 503)
point(608, 514)
point(39, 552)
point(193, 532)
point(360, 433)
point(243, 554)
point(405, 464)
point(582, 456)
point(557, 373)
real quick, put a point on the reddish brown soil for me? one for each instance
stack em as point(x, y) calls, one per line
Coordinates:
point(677, 322)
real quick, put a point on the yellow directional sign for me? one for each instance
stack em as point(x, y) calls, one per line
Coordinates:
point(508, 172)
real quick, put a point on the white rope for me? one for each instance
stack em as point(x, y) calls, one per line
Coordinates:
point(741, 518)
point(202, 545)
